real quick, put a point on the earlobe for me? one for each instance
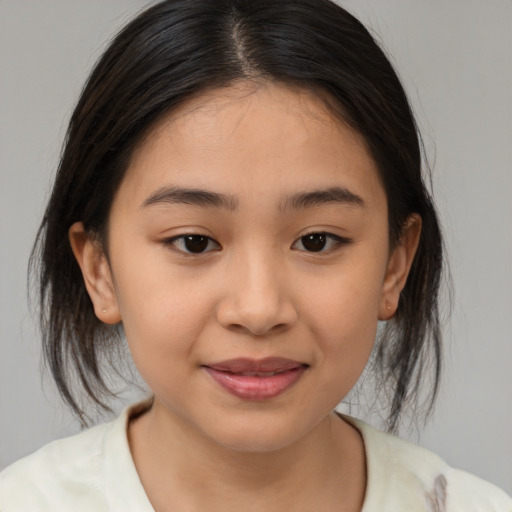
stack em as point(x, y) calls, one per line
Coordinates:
point(95, 272)
point(399, 265)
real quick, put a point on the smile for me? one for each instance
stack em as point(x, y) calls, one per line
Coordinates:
point(256, 380)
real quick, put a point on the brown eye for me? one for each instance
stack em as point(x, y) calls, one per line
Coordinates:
point(193, 244)
point(320, 242)
point(314, 242)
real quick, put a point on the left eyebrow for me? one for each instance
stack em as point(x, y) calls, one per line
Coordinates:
point(338, 195)
point(191, 196)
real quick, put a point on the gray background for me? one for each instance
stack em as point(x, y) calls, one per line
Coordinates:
point(455, 60)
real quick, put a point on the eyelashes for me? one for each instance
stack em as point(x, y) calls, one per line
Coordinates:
point(193, 244)
point(314, 242)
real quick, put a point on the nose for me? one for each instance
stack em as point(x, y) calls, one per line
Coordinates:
point(256, 297)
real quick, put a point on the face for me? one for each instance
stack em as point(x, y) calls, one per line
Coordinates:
point(249, 262)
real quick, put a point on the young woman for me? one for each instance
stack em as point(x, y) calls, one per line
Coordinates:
point(241, 198)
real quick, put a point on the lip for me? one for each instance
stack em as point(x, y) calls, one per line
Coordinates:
point(256, 379)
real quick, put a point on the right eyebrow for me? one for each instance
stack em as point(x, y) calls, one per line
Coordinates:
point(191, 196)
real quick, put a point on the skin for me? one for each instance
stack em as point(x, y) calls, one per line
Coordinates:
point(255, 292)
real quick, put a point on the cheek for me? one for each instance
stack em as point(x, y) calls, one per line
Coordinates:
point(344, 314)
point(161, 336)
point(162, 314)
point(345, 342)
point(345, 327)
point(347, 298)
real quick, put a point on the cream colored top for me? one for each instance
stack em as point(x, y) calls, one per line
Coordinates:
point(94, 471)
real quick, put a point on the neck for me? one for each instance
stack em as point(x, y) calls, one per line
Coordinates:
point(181, 469)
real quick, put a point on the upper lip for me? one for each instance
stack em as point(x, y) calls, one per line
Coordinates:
point(244, 365)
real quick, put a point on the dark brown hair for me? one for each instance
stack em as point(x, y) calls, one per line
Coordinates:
point(180, 48)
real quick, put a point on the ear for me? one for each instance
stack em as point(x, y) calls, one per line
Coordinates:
point(96, 273)
point(399, 265)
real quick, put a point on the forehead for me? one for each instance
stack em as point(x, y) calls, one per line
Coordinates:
point(253, 137)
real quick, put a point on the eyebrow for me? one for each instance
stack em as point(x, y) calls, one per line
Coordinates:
point(206, 198)
point(338, 195)
point(191, 196)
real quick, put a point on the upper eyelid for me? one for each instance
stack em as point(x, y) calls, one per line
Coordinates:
point(189, 233)
point(320, 232)
point(327, 233)
point(312, 232)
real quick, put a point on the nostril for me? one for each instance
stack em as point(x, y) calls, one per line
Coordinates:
point(256, 331)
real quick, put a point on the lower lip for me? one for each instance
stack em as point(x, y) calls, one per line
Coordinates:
point(256, 388)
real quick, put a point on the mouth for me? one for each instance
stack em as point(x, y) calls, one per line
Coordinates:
point(256, 380)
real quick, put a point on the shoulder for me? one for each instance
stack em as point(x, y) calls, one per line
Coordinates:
point(468, 492)
point(52, 476)
point(405, 476)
